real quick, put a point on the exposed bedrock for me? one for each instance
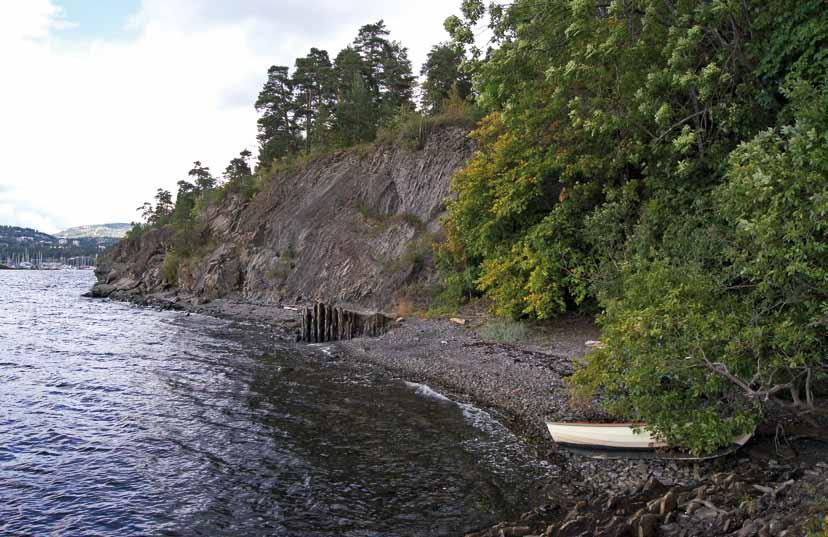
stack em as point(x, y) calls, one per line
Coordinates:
point(351, 228)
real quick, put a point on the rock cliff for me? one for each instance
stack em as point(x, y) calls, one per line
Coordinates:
point(354, 227)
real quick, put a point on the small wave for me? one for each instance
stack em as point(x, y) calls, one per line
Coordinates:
point(477, 417)
point(425, 391)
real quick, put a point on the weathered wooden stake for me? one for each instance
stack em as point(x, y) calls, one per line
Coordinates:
point(326, 322)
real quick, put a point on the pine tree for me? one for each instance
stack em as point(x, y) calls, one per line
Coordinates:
point(277, 127)
point(202, 178)
point(387, 69)
point(314, 87)
point(356, 114)
point(442, 73)
point(239, 168)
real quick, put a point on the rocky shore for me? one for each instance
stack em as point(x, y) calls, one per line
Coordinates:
point(776, 486)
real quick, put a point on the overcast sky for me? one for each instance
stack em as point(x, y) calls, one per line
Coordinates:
point(102, 102)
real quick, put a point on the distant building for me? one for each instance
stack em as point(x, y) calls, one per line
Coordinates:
point(75, 243)
point(63, 242)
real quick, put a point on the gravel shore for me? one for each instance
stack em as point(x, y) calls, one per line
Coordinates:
point(524, 384)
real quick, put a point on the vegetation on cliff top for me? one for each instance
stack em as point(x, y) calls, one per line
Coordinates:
point(364, 96)
point(664, 163)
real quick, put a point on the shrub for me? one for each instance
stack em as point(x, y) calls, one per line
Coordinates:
point(169, 268)
point(659, 338)
point(698, 343)
point(506, 331)
point(411, 128)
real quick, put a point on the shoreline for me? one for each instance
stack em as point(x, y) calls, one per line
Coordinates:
point(522, 385)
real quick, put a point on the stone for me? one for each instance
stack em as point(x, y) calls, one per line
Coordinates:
point(648, 525)
point(692, 507)
point(653, 485)
point(668, 503)
point(616, 527)
point(706, 513)
point(515, 531)
point(749, 529)
point(574, 528)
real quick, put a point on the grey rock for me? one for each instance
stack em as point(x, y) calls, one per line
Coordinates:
point(749, 529)
point(515, 531)
point(668, 503)
point(705, 513)
point(648, 525)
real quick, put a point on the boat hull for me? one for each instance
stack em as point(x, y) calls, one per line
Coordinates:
point(610, 436)
point(623, 440)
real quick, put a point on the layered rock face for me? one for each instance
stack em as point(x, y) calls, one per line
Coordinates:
point(351, 228)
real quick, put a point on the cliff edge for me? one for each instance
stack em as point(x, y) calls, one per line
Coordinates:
point(354, 227)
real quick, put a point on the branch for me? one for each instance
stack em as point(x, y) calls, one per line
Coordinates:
point(722, 369)
point(679, 123)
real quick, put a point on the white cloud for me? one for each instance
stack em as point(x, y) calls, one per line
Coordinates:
point(91, 128)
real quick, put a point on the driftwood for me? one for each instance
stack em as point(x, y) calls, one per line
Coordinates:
point(325, 322)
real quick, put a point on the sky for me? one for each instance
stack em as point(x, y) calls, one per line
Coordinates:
point(103, 102)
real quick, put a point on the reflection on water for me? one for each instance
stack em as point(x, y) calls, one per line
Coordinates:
point(117, 420)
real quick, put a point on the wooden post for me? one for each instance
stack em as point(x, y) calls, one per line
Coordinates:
point(316, 323)
point(326, 322)
point(323, 323)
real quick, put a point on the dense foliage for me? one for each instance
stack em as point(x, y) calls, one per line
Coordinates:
point(664, 162)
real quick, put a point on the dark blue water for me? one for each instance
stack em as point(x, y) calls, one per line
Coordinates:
point(118, 420)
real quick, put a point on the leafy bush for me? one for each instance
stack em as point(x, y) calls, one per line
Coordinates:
point(696, 347)
point(658, 336)
point(170, 266)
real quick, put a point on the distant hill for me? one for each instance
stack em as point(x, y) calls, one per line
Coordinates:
point(18, 243)
point(114, 231)
point(12, 236)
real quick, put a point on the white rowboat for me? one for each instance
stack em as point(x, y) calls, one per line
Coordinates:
point(612, 436)
point(603, 436)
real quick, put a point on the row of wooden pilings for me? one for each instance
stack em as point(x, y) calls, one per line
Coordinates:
point(325, 322)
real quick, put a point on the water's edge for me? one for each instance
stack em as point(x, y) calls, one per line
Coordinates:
point(120, 420)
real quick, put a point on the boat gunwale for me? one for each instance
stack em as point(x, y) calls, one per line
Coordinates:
point(592, 424)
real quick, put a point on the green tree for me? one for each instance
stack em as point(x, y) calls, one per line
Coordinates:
point(202, 178)
point(277, 127)
point(442, 74)
point(386, 68)
point(314, 82)
point(185, 201)
point(239, 175)
point(356, 114)
point(372, 46)
point(239, 168)
point(158, 214)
